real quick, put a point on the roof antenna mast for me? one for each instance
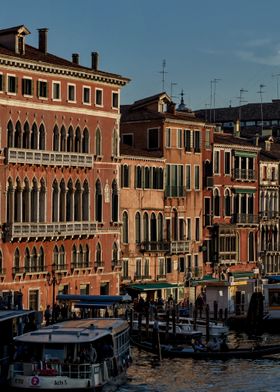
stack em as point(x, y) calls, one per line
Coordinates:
point(163, 72)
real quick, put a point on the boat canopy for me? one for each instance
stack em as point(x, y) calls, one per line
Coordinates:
point(98, 301)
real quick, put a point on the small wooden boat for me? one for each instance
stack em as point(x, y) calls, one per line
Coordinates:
point(72, 355)
point(171, 351)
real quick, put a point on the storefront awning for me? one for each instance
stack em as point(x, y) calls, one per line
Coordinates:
point(151, 286)
point(245, 190)
point(246, 154)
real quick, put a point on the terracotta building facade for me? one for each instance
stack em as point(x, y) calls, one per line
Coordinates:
point(59, 173)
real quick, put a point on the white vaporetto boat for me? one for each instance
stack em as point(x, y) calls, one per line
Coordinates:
point(72, 355)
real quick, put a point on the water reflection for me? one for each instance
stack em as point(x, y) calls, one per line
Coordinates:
point(180, 375)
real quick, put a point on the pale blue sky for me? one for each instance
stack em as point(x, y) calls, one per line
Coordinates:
point(201, 40)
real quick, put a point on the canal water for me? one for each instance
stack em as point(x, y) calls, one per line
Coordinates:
point(183, 375)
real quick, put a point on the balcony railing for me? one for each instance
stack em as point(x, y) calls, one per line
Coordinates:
point(177, 247)
point(161, 276)
point(244, 174)
point(48, 158)
point(2, 271)
point(80, 265)
point(246, 219)
point(175, 191)
point(99, 264)
point(269, 214)
point(116, 263)
point(154, 246)
point(33, 269)
point(18, 270)
point(18, 230)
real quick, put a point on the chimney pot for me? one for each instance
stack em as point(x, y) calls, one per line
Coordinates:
point(43, 44)
point(75, 58)
point(94, 60)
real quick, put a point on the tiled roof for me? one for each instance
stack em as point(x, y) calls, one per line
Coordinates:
point(251, 111)
point(226, 138)
point(35, 55)
point(272, 154)
point(125, 149)
point(143, 114)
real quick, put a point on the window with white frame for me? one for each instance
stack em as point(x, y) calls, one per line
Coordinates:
point(207, 138)
point(42, 89)
point(179, 138)
point(98, 97)
point(188, 177)
point(56, 91)
point(86, 95)
point(71, 92)
point(216, 162)
point(12, 84)
point(189, 228)
point(197, 229)
point(227, 162)
point(115, 100)
point(196, 177)
point(27, 86)
point(1, 82)
point(138, 269)
point(167, 137)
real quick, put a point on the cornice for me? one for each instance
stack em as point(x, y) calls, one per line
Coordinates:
point(60, 70)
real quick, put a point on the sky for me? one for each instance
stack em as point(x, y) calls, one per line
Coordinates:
point(218, 52)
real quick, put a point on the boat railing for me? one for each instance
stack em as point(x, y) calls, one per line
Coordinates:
point(73, 370)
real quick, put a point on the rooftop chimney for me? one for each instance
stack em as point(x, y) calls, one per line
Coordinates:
point(43, 42)
point(75, 58)
point(267, 145)
point(236, 131)
point(94, 61)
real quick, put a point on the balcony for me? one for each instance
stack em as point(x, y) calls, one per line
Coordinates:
point(98, 264)
point(244, 174)
point(116, 263)
point(245, 219)
point(177, 247)
point(32, 269)
point(38, 230)
point(80, 265)
point(265, 215)
point(154, 246)
point(175, 191)
point(48, 158)
point(161, 277)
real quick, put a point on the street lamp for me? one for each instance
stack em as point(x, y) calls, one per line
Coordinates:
point(53, 280)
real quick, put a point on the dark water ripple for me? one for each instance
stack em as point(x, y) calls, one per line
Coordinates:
point(183, 375)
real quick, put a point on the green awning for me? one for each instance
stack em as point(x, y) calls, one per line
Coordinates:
point(240, 275)
point(245, 190)
point(246, 154)
point(152, 286)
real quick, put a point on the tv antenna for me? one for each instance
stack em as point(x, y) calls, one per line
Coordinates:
point(172, 84)
point(261, 94)
point(241, 100)
point(163, 72)
point(277, 83)
point(213, 84)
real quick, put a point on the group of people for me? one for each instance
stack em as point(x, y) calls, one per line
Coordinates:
point(214, 344)
point(59, 312)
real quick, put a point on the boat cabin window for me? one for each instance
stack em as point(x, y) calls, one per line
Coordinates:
point(54, 352)
point(274, 298)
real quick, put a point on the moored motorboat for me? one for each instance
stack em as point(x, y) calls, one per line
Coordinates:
point(172, 351)
point(72, 355)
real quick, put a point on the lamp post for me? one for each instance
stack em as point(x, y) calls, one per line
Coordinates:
point(53, 280)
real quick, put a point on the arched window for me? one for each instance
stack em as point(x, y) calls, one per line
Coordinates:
point(55, 138)
point(98, 149)
point(160, 227)
point(115, 254)
point(78, 140)
point(216, 202)
point(26, 260)
point(77, 202)
point(41, 259)
point(146, 227)
point(42, 142)
point(85, 141)
point(137, 228)
point(25, 202)
point(55, 204)
point(85, 202)
point(26, 135)
point(147, 268)
point(115, 143)
point(86, 256)
point(74, 256)
point(80, 257)
point(42, 201)
point(34, 201)
point(34, 137)
point(10, 134)
point(62, 202)
point(16, 261)
point(69, 201)
point(18, 140)
point(160, 178)
point(98, 202)
point(98, 259)
point(251, 246)
point(70, 139)
point(17, 202)
point(153, 231)
point(62, 139)
point(125, 227)
point(138, 177)
point(227, 203)
point(115, 202)
point(34, 260)
point(147, 177)
point(125, 176)
point(61, 261)
point(55, 257)
point(175, 224)
point(10, 201)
